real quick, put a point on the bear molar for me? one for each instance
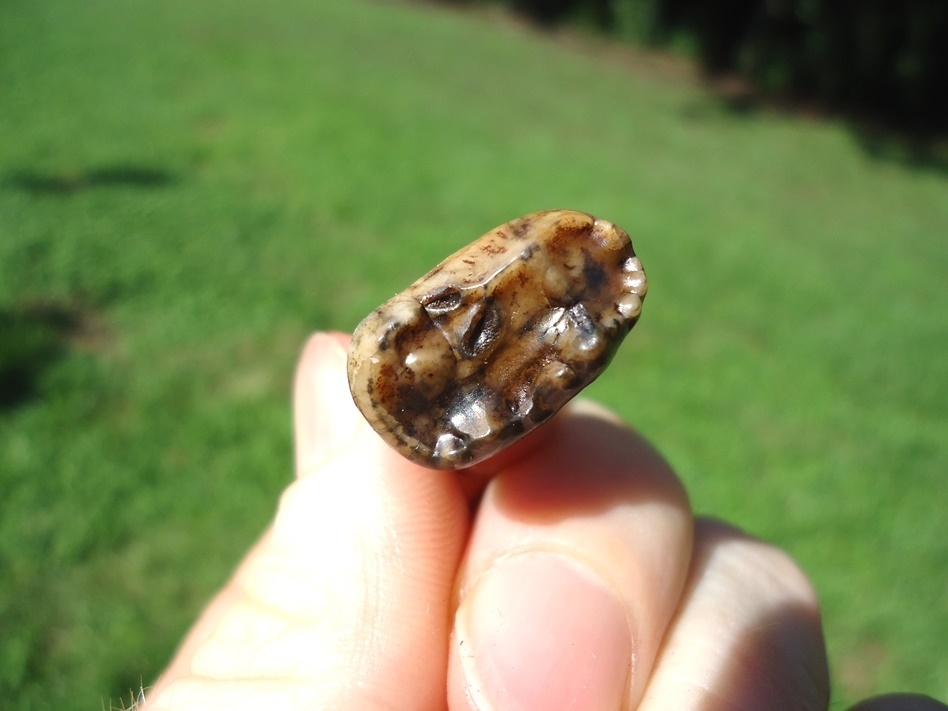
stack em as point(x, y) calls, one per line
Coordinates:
point(495, 339)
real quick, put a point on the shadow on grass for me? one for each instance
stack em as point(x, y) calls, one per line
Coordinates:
point(916, 150)
point(68, 182)
point(32, 339)
point(908, 151)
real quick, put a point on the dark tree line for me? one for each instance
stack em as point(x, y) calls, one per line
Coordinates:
point(888, 57)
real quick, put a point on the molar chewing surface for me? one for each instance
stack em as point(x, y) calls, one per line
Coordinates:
point(496, 338)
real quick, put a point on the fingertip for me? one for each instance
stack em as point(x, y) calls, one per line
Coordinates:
point(474, 479)
point(590, 461)
point(325, 418)
point(320, 346)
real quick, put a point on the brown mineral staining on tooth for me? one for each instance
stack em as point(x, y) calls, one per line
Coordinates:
point(496, 338)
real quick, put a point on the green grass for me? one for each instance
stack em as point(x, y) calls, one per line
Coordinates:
point(187, 188)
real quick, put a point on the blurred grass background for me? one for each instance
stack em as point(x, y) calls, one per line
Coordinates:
point(187, 188)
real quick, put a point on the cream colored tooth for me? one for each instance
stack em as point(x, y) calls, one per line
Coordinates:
point(496, 338)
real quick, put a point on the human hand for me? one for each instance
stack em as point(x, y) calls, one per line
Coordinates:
point(577, 579)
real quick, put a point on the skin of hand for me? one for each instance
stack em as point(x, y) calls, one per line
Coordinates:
point(566, 573)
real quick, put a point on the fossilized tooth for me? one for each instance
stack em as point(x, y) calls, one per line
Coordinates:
point(495, 339)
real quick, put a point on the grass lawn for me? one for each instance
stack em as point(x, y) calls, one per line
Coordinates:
point(188, 187)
